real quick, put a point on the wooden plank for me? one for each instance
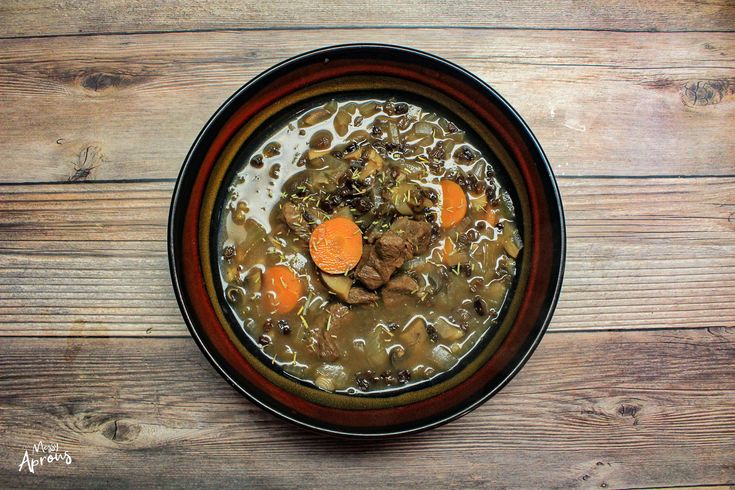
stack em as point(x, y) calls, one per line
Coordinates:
point(44, 18)
point(601, 103)
point(131, 410)
point(90, 259)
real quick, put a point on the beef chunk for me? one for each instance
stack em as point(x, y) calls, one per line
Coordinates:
point(380, 261)
point(398, 289)
point(359, 296)
point(294, 218)
point(364, 271)
point(418, 233)
point(326, 347)
point(393, 249)
point(340, 315)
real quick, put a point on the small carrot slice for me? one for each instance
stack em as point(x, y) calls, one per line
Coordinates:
point(448, 250)
point(336, 245)
point(492, 216)
point(451, 256)
point(454, 203)
point(281, 289)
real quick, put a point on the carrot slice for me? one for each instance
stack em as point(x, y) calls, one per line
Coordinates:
point(451, 255)
point(454, 203)
point(448, 250)
point(492, 216)
point(281, 289)
point(336, 245)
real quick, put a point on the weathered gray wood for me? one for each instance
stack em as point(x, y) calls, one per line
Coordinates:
point(129, 107)
point(90, 259)
point(44, 18)
point(622, 409)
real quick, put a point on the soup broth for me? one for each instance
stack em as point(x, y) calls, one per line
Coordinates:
point(367, 245)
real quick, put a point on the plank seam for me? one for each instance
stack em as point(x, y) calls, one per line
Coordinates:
point(364, 27)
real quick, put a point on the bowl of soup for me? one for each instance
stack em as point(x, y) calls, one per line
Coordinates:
point(366, 240)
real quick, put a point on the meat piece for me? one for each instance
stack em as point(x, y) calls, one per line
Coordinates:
point(359, 296)
point(398, 289)
point(340, 315)
point(326, 346)
point(418, 233)
point(365, 272)
point(393, 249)
point(381, 261)
point(294, 218)
point(372, 271)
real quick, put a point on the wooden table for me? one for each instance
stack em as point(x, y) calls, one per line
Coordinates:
point(633, 386)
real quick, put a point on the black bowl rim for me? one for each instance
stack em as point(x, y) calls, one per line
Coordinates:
point(177, 197)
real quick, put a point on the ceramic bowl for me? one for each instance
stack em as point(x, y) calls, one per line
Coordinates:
point(329, 72)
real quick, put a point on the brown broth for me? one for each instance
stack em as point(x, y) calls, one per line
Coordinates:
point(463, 280)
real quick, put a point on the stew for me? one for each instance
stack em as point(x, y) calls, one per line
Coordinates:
point(367, 245)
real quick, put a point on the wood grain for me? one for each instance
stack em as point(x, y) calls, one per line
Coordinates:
point(129, 106)
point(633, 385)
point(90, 259)
point(46, 18)
point(147, 412)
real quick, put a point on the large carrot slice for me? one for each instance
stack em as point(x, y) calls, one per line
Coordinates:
point(454, 203)
point(336, 245)
point(281, 289)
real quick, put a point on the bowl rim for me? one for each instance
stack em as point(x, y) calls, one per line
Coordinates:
point(544, 168)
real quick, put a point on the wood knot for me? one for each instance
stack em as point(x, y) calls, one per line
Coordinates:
point(629, 410)
point(98, 82)
point(697, 93)
point(120, 431)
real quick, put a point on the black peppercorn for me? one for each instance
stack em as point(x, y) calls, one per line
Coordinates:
point(362, 381)
point(268, 325)
point(350, 148)
point(363, 204)
point(480, 306)
point(264, 340)
point(284, 326)
point(401, 108)
point(257, 161)
point(466, 270)
point(490, 191)
point(431, 194)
